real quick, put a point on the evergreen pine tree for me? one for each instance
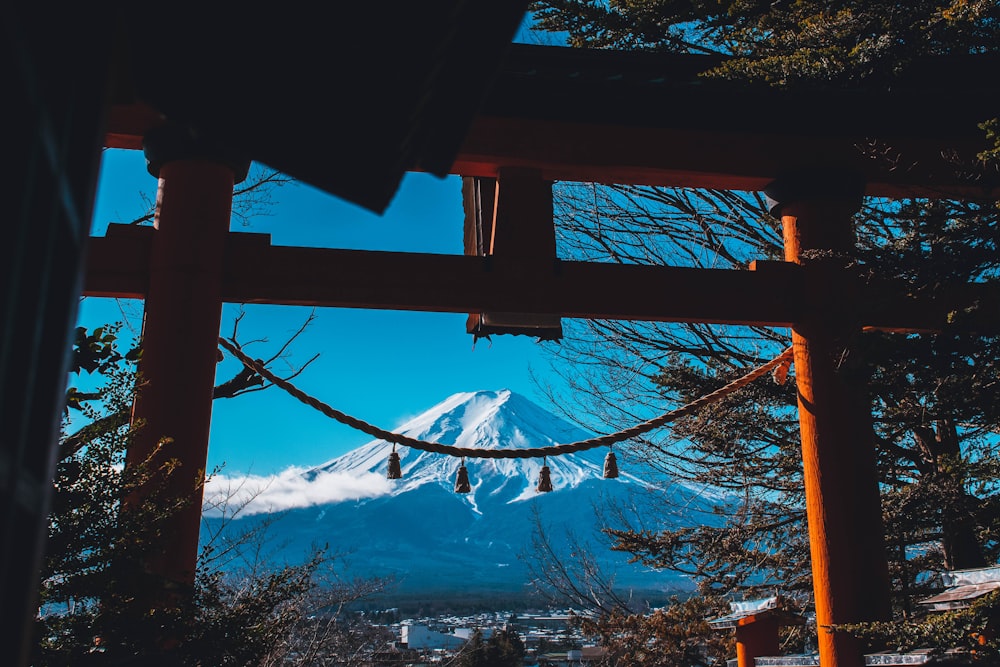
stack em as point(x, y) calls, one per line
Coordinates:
point(87, 615)
point(935, 397)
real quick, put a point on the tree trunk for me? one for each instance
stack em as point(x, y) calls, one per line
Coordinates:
point(958, 526)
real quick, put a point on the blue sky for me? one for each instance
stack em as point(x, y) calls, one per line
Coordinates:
point(381, 366)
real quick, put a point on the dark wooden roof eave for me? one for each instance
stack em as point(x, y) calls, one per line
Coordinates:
point(347, 101)
point(651, 119)
point(648, 119)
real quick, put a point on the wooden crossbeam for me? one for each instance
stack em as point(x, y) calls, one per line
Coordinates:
point(256, 272)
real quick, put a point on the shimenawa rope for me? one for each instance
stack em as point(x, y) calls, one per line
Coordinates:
point(553, 450)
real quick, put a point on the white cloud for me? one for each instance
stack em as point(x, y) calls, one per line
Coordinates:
point(257, 494)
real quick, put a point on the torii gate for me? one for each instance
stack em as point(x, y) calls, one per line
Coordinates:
point(557, 114)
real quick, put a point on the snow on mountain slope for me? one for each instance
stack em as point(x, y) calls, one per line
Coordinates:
point(486, 420)
point(418, 528)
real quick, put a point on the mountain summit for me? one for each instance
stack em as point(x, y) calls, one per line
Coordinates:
point(433, 539)
point(486, 420)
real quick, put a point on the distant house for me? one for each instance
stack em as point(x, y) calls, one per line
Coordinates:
point(962, 587)
point(420, 637)
point(588, 655)
point(466, 633)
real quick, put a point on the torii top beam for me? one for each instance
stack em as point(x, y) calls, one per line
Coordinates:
point(643, 118)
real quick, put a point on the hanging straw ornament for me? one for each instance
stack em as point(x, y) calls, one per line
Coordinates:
point(462, 479)
point(610, 465)
point(544, 480)
point(780, 372)
point(394, 471)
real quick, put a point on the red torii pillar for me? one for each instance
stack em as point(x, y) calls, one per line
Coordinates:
point(757, 631)
point(183, 310)
point(756, 636)
point(850, 573)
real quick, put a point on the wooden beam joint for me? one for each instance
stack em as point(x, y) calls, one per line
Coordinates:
point(518, 236)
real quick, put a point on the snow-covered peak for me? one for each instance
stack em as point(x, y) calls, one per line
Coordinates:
point(491, 420)
point(482, 420)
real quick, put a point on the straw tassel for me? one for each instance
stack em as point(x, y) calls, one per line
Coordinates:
point(394, 471)
point(610, 465)
point(462, 479)
point(780, 372)
point(544, 479)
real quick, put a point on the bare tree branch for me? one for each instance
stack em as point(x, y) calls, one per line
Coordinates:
point(246, 381)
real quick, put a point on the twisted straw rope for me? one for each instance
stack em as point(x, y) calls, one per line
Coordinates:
point(552, 450)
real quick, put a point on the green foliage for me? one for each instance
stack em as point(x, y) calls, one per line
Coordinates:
point(934, 397)
point(504, 648)
point(676, 636)
point(788, 42)
point(473, 654)
point(239, 622)
point(990, 156)
point(94, 602)
point(972, 630)
point(84, 523)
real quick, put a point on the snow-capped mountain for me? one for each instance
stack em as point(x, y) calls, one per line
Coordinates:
point(483, 420)
point(431, 538)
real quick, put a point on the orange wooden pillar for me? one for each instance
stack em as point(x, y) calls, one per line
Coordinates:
point(756, 624)
point(756, 636)
point(180, 345)
point(850, 574)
